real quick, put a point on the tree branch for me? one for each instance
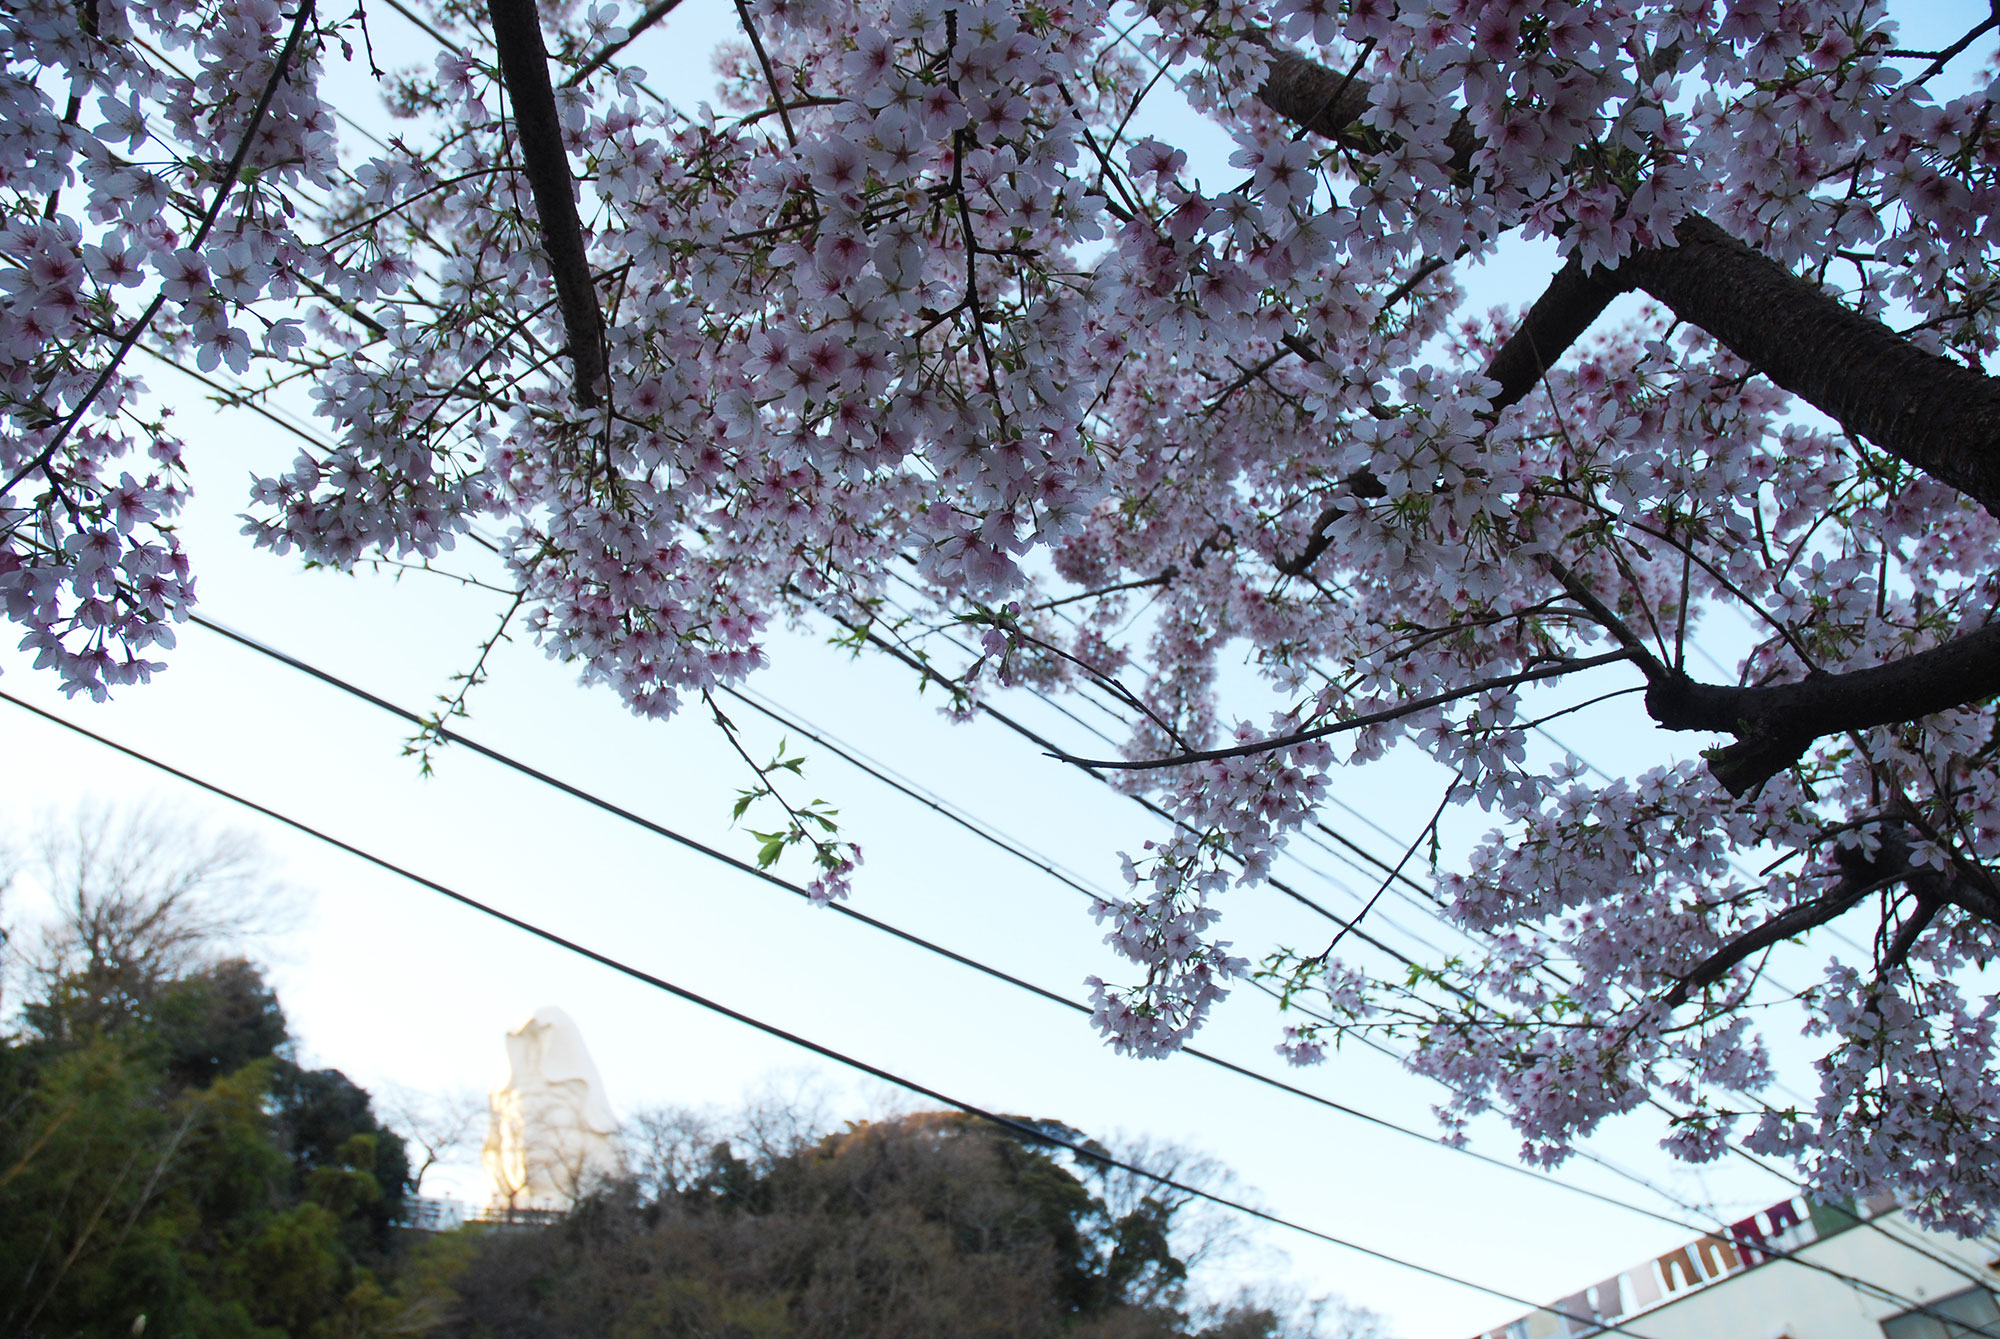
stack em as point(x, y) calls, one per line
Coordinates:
point(1776, 723)
point(1920, 407)
point(1330, 104)
point(610, 49)
point(1862, 876)
point(1396, 712)
point(1577, 589)
point(301, 22)
point(524, 68)
point(1566, 309)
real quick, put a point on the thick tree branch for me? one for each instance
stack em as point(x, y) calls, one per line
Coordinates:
point(1863, 879)
point(1330, 104)
point(1862, 873)
point(1567, 308)
point(1775, 724)
point(1921, 407)
point(524, 67)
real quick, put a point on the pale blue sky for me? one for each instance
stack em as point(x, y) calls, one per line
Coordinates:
point(394, 985)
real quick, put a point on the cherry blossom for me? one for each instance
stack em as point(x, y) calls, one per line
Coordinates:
point(910, 298)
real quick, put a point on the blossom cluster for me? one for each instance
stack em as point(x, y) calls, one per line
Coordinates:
point(912, 299)
point(122, 226)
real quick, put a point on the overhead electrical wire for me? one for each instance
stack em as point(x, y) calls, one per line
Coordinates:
point(1734, 1148)
point(1025, 1129)
point(1028, 857)
point(1395, 874)
point(1074, 1005)
point(1280, 885)
point(241, 398)
point(649, 825)
point(765, 876)
point(236, 396)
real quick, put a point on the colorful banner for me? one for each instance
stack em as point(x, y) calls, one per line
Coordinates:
point(1769, 1234)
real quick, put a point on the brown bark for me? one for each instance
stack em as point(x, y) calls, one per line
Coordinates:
point(1861, 874)
point(1924, 409)
point(1330, 104)
point(1860, 877)
point(524, 68)
point(1567, 307)
point(1775, 724)
point(1920, 407)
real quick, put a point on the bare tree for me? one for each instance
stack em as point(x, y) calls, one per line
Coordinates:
point(138, 897)
point(443, 1130)
point(1201, 1232)
point(667, 1148)
point(1278, 1313)
point(789, 1112)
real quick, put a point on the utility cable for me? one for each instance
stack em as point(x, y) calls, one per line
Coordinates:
point(237, 397)
point(1435, 1141)
point(661, 830)
point(1725, 1232)
point(1093, 730)
point(651, 826)
point(977, 966)
point(790, 721)
point(1024, 1129)
point(765, 876)
point(1735, 1149)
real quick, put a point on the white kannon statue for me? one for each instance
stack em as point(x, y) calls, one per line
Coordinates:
point(553, 1138)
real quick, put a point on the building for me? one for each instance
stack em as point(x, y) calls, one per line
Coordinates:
point(1796, 1270)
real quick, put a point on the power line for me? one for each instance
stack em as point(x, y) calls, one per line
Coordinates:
point(1019, 983)
point(1022, 1128)
point(1394, 873)
point(917, 941)
point(1796, 1183)
point(1853, 1281)
point(432, 32)
point(237, 397)
point(963, 960)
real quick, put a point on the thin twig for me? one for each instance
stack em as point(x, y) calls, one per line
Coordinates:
point(770, 75)
point(1397, 712)
point(639, 25)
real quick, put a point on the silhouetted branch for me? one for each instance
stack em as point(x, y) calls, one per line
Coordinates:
point(1776, 723)
point(1921, 407)
point(1397, 712)
point(524, 67)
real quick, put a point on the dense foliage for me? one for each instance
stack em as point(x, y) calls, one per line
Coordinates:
point(911, 294)
point(168, 1168)
point(176, 1165)
point(897, 1229)
point(170, 1161)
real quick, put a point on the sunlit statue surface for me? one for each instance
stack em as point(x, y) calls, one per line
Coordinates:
point(552, 1138)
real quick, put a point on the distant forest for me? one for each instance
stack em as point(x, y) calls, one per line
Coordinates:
point(167, 1168)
